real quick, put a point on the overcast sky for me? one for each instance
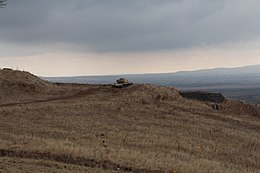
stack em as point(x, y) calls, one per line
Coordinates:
point(92, 37)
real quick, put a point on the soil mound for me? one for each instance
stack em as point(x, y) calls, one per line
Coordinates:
point(19, 84)
point(147, 93)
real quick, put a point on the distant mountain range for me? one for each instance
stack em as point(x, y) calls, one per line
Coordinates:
point(240, 83)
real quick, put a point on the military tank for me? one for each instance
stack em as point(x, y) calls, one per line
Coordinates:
point(122, 83)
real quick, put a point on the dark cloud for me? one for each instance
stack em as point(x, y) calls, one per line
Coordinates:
point(129, 25)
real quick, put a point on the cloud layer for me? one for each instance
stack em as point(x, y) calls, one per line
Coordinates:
point(129, 25)
point(88, 37)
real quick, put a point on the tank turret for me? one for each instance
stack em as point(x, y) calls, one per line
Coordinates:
point(122, 83)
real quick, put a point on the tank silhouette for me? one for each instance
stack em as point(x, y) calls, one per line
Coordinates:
point(122, 83)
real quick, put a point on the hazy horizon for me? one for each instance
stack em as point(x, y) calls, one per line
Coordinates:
point(151, 73)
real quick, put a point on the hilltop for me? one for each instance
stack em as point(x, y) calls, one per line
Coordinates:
point(24, 87)
point(18, 85)
point(241, 83)
point(143, 128)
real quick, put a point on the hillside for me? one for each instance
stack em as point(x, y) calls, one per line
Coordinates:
point(20, 87)
point(241, 83)
point(17, 85)
point(143, 129)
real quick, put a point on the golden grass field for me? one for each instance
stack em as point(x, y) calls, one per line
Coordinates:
point(48, 127)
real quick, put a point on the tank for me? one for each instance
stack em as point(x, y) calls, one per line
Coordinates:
point(122, 83)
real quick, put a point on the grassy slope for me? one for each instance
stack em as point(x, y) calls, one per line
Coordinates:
point(142, 128)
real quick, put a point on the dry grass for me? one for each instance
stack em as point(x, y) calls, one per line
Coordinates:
point(239, 107)
point(142, 128)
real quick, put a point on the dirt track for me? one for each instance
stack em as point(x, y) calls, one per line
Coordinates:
point(79, 94)
point(106, 165)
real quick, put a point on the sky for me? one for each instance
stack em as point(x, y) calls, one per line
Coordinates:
point(102, 37)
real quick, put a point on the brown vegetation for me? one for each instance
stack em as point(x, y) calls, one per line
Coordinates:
point(142, 128)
